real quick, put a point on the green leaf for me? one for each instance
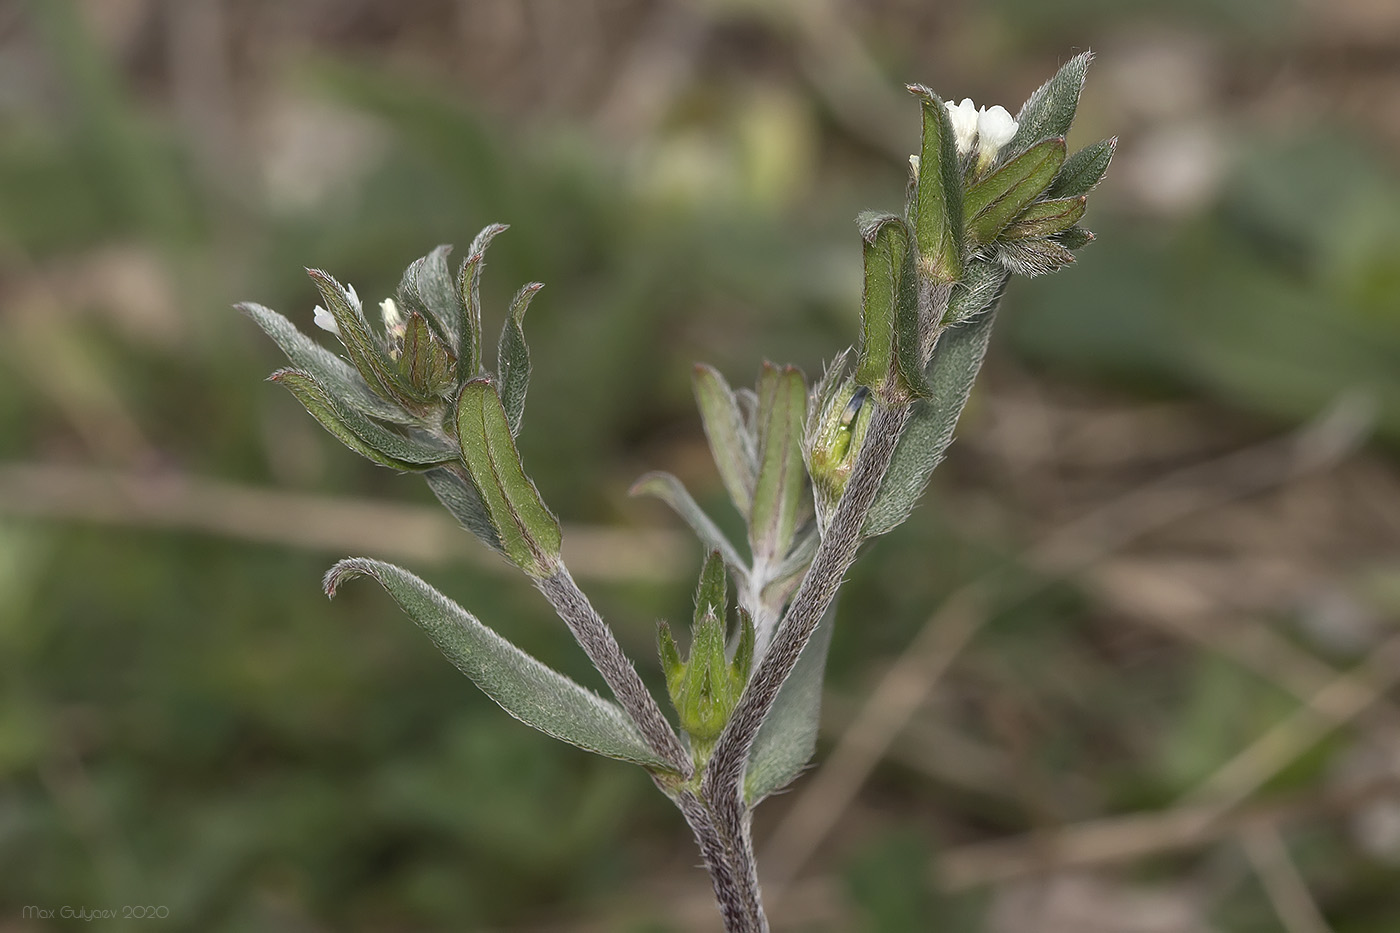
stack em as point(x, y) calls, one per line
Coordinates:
point(1082, 171)
point(1046, 218)
point(365, 351)
point(731, 445)
point(957, 359)
point(513, 357)
point(712, 592)
point(937, 214)
point(886, 240)
point(362, 435)
point(469, 302)
point(428, 287)
point(459, 496)
point(890, 360)
point(1032, 257)
point(996, 200)
point(425, 362)
point(1049, 112)
point(778, 503)
point(788, 737)
point(982, 286)
point(529, 532)
point(1075, 238)
point(672, 491)
point(340, 379)
point(533, 693)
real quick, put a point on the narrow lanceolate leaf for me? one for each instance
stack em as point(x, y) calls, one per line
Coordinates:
point(1046, 218)
point(365, 350)
point(1083, 170)
point(362, 435)
point(672, 491)
point(1074, 238)
point(956, 361)
point(1050, 110)
point(712, 592)
point(533, 693)
point(996, 200)
point(428, 287)
point(889, 361)
point(513, 357)
point(982, 285)
point(469, 303)
point(788, 737)
point(339, 378)
point(731, 445)
point(937, 214)
point(529, 532)
point(779, 499)
point(459, 496)
point(425, 362)
point(1032, 257)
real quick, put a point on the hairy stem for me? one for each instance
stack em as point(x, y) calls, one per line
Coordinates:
point(730, 862)
point(599, 643)
point(722, 787)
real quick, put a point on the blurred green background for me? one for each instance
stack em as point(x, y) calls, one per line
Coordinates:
point(186, 722)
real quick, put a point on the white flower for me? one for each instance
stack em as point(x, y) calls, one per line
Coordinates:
point(995, 128)
point(354, 298)
point(324, 320)
point(393, 320)
point(964, 119)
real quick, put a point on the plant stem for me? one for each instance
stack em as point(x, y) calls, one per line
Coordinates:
point(599, 643)
point(835, 554)
point(730, 862)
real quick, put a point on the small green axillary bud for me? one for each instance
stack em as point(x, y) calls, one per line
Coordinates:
point(705, 688)
point(838, 439)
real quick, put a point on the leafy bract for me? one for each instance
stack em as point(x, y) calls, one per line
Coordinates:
point(532, 692)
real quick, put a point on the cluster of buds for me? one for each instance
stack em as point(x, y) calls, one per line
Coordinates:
point(414, 395)
point(989, 196)
point(705, 687)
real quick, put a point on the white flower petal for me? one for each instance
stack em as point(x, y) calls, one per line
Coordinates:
point(995, 128)
point(354, 298)
point(390, 312)
point(963, 117)
point(324, 320)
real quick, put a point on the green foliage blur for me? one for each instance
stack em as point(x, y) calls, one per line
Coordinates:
point(186, 721)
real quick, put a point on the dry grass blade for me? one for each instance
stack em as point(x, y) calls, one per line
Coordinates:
point(1287, 890)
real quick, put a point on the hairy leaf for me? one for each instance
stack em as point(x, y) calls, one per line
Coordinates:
point(1050, 110)
point(731, 445)
point(339, 377)
point(529, 532)
point(1046, 218)
point(982, 285)
point(937, 214)
point(672, 491)
point(778, 500)
point(362, 435)
point(469, 302)
point(425, 361)
point(365, 350)
point(428, 287)
point(513, 357)
point(956, 361)
point(1083, 170)
point(996, 200)
point(459, 496)
point(533, 693)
